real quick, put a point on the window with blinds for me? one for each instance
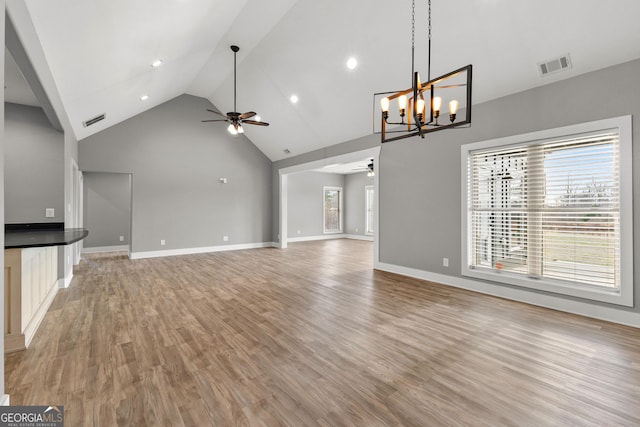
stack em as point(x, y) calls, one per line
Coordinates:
point(548, 210)
point(332, 207)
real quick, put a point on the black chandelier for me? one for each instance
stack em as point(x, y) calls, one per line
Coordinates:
point(421, 104)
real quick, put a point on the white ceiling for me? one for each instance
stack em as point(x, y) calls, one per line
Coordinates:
point(99, 54)
point(346, 168)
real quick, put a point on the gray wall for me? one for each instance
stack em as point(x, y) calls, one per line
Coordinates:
point(355, 184)
point(305, 202)
point(107, 208)
point(420, 181)
point(176, 162)
point(34, 162)
point(366, 142)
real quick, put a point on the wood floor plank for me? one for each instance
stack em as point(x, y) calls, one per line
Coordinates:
point(312, 335)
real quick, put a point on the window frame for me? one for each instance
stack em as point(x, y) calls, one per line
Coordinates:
point(340, 209)
point(369, 211)
point(623, 295)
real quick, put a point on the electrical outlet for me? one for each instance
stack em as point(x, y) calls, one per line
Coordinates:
point(356, 229)
point(122, 238)
point(225, 238)
point(49, 213)
point(298, 232)
point(162, 242)
point(445, 262)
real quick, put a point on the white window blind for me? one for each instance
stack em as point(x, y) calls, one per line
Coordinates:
point(548, 209)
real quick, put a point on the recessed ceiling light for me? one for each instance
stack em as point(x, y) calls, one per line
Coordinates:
point(156, 63)
point(352, 63)
point(144, 97)
point(294, 99)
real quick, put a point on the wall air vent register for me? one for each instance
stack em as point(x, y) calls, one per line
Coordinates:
point(94, 120)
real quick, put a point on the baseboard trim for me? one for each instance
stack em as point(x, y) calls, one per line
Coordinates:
point(101, 249)
point(5, 400)
point(359, 237)
point(595, 311)
point(32, 327)
point(65, 282)
point(201, 250)
point(312, 238)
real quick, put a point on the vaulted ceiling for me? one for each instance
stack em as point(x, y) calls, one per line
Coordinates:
point(100, 53)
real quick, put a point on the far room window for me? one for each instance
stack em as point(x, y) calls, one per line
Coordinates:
point(332, 210)
point(551, 210)
point(368, 191)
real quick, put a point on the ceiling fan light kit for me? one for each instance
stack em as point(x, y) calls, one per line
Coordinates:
point(414, 102)
point(235, 119)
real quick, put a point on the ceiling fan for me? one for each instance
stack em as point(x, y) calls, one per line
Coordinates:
point(235, 119)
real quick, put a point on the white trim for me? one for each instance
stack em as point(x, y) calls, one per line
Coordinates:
point(367, 237)
point(32, 327)
point(340, 209)
point(100, 249)
point(65, 282)
point(284, 212)
point(623, 296)
point(5, 400)
point(329, 236)
point(200, 250)
point(582, 308)
point(368, 188)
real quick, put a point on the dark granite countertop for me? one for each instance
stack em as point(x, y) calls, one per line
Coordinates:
point(41, 238)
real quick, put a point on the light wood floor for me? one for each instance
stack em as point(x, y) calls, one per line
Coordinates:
point(313, 336)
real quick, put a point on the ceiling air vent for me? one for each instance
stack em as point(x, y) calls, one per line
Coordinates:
point(554, 65)
point(94, 120)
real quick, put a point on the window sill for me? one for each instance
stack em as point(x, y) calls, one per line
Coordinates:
point(620, 296)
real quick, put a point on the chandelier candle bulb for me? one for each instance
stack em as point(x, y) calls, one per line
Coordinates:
point(437, 103)
point(402, 104)
point(384, 105)
point(453, 109)
point(420, 108)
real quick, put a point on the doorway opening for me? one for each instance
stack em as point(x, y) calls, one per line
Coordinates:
point(367, 222)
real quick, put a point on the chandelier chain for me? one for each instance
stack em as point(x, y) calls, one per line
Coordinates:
point(429, 16)
point(429, 54)
point(413, 23)
point(413, 36)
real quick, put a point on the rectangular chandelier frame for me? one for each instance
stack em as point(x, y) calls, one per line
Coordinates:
point(414, 125)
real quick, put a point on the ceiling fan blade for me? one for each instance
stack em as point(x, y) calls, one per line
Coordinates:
point(216, 112)
point(247, 115)
point(253, 122)
point(213, 121)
